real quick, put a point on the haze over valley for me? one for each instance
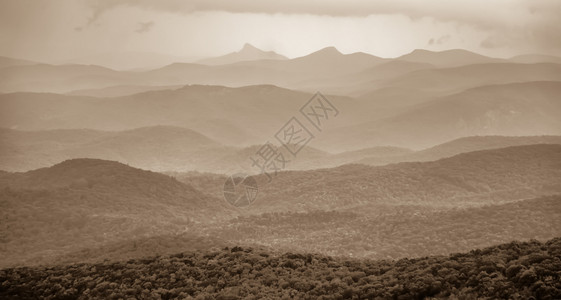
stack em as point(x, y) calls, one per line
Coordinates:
point(301, 154)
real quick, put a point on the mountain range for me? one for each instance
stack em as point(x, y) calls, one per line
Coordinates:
point(177, 149)
point(229, 115)
point(89, 203)
point(327, 69)
point(121, 157)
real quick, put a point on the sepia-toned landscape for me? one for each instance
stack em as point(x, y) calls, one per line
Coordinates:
point(315, 157)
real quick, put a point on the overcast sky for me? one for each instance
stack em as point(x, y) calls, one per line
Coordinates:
point(56, 30)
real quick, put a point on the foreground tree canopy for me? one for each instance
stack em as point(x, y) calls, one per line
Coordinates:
point(517, 270)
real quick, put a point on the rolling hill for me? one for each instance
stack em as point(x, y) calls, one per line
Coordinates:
point(465, 180)
point(83, 203)
point(87, 203)
point(461, 145)
point(468, 179)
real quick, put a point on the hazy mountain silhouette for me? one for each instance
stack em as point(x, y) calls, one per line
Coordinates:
point(127, 60)
point(327, 69)
point(306, 72)
point(248, 52)
point(464, 77)
point(365, 80)
point(330, 59)
point(388, 102)
point(378, 154)
point(536, 58)
point(530, 108)
point(121, 90)
point(461, 145)
point(291, 73)
point(59, 78)
point(240, 116)
point(166, 148)
point(8, 62)
point(514, 109)
point(162, 148)
point(157, 148)
point(448, 58)
point(239, 160)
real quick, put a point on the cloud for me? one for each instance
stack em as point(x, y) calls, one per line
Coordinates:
point(144, 27)
point(441, 40)
point(528, 25)
point(480, 10)
point(485, 14)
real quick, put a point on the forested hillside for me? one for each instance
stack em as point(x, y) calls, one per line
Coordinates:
point(468, 179)
point(389, 232)
point(517, 270)
point(86, 203)
point(475, 199)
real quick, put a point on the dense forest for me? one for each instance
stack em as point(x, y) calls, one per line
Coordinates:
point(397, 232)
point(80, 209)
point(517, 270)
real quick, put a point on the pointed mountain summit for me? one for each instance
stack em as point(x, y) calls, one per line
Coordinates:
point(248, 52)
point(328, 51)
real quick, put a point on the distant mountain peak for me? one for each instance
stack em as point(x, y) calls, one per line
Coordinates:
point(246, 53)
point(329, 50)
point(324, 53)
point(447, 58)
point(250, 47)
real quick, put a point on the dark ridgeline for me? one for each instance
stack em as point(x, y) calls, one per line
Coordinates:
point(517, 270)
